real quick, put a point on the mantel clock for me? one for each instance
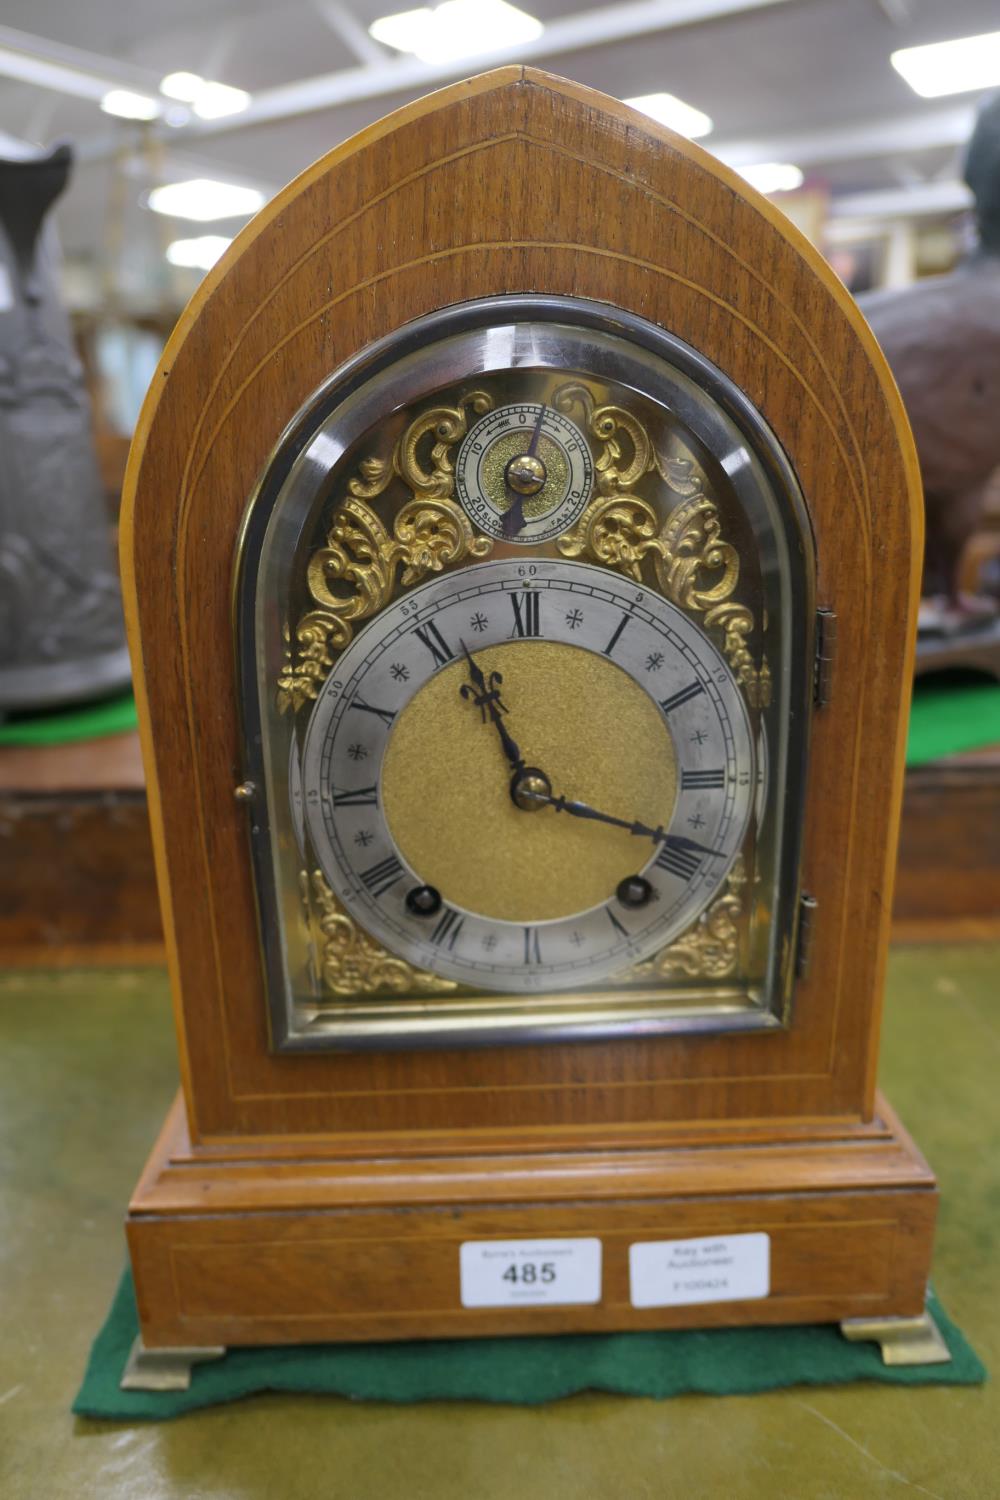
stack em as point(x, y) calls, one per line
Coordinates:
point(521, 545)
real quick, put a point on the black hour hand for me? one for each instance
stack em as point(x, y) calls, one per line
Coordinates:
point(485, 694)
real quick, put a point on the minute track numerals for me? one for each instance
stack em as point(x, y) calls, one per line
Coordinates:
point(682, 853)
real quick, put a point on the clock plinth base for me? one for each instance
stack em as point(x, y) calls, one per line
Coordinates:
point(271, 1241)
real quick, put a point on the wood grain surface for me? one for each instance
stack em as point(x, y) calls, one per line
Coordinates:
point(949, 851)
point(296, 1253)
point(516, 182)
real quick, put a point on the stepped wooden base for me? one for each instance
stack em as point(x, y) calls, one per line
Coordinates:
point(230, 1247)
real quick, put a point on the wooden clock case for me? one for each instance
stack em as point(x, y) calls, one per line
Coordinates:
point(324, 1197)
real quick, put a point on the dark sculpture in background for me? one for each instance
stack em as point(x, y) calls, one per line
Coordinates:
point(61, 632)
point(942, 339)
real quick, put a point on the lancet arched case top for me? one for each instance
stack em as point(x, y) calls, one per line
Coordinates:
point(478, 542)
point(525, 614)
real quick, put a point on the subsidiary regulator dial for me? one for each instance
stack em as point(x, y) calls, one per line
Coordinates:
point(524, 473)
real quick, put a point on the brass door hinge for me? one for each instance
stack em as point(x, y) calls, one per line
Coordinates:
point(826, 646)
point(804, 936)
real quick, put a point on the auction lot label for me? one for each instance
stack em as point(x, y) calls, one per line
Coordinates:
point(729, 1268)
point(522, 1273)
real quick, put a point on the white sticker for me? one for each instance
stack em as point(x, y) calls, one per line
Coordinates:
point(666, 1273)
point(519, 1273)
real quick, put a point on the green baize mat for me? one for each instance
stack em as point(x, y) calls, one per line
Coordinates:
point(516, 1371)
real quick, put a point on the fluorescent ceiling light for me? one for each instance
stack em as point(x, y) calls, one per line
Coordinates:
point(673, 113)
point(182, 86)
point(203, 200)
point(217, 99)
point(971, 62)
point(200, 254)
point(773, 176)
point(209, 100)
point(129, 106)
point(458, 28)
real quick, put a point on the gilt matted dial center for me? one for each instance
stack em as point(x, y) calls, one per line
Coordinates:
point(599, 738)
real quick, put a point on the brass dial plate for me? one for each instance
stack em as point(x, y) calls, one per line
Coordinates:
point(383, 820)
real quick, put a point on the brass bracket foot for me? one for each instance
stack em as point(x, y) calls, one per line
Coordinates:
point(903, 1341)
point(164, 1369)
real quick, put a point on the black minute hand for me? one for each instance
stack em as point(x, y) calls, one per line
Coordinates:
point(639, 830)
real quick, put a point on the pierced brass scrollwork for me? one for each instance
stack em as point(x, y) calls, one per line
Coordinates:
point(349, 961)
point(693, 565)
point(710, 948)
point(358, 570)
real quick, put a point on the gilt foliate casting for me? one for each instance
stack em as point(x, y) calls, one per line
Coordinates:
point(710, 948)
point(348, 960)
point(357, 572)
point(693, 565)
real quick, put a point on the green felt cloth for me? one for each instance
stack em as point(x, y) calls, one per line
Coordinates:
point(945, 721)
point(90, 721)
point(515, 1371)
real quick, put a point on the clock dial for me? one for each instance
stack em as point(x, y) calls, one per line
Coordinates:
point(528, 669)
point(528, 777)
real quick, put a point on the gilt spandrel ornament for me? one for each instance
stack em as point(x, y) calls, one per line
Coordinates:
point(710, 949)
point(694, 566)
point(358, 570)
point(348, 961)
point(61, 629)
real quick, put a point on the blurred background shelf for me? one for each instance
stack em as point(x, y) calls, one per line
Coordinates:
point(77, 883)
point(76, 863)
